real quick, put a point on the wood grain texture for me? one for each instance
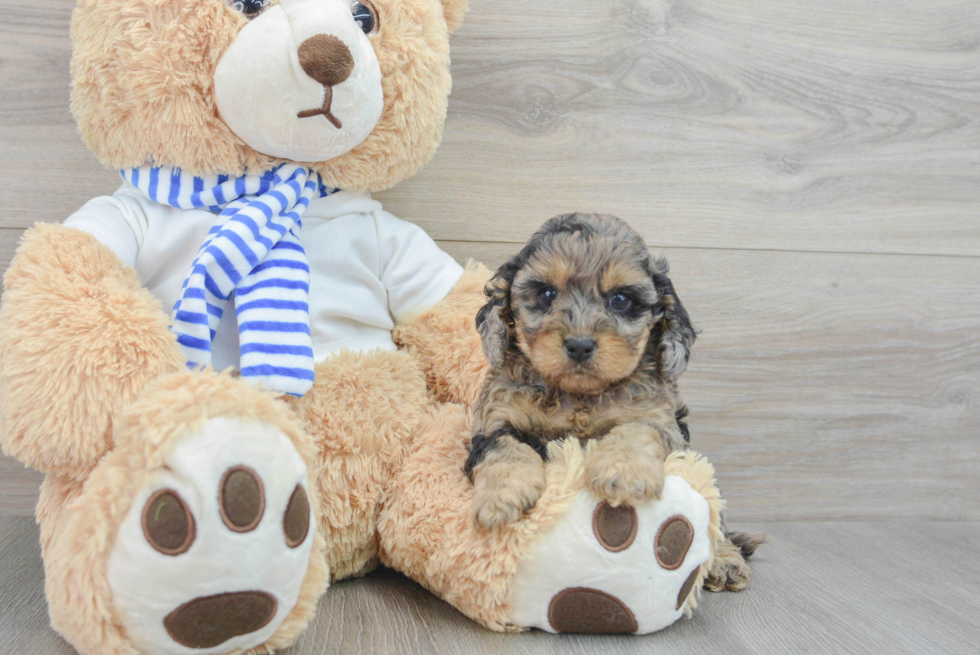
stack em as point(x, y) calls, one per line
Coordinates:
point(893, 587)
point(39, 146)
point(832, 126)
point(19, 488)
point(835, 126)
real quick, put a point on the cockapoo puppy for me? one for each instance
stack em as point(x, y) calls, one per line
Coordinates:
point(586, 339)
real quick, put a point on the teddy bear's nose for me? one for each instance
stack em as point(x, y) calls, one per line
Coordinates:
point(326, 59)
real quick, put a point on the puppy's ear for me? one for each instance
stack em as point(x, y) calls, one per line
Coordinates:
point(676, 334)
point(494, 321)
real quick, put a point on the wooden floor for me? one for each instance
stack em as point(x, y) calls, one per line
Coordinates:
point(811, 170)
point(820, 588)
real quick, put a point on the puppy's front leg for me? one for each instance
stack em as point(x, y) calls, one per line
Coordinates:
point(508, 477)
point(627, 464)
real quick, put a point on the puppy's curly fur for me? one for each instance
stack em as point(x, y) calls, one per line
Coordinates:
point(586, 338)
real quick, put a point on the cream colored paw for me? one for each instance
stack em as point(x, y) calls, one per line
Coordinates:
point(504, 491)
point(616, 570)
point(216, 545)
point(617, 479)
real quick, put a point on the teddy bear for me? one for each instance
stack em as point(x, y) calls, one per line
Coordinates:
point(219, 366)
point(243, 379)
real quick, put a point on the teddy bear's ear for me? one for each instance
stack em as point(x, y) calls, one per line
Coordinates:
point(454, 10)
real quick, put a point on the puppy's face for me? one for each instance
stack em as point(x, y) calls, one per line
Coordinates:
point(583, 308)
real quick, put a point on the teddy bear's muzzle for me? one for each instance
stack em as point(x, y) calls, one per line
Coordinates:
point(294, 65)
point(327, 60)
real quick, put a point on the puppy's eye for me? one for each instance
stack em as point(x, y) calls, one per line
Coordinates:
point(365, 15)
point(620, 302)
point(251, 8)
point(547, 296)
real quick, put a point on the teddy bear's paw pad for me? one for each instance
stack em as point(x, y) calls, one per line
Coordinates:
point(167, 523)
point(213, 620)
point(615, 527)
point(590, 611)
point(216, 545)
point(615, 569)
point(673, 541)
point(686, 588)
point(242, 499)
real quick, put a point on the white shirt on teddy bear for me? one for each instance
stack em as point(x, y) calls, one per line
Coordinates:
point(368, 269)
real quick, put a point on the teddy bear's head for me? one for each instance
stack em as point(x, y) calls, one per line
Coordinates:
point(355, 90)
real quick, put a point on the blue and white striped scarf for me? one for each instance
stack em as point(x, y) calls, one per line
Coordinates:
point(253, 251)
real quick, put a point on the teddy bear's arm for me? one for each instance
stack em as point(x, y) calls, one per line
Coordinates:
point(445, 340)
point(434, 302)
point(79, 338)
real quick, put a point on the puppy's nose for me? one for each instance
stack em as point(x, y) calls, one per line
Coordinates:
point(580, 348)
point(326, 59)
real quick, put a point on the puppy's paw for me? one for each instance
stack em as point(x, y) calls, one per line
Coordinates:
point(619, 480)
point(503, 492)
point(729, 570)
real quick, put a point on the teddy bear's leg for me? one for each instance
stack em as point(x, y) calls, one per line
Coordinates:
point(56, 494)
point(575, 563)
point(195, 533)
point(79, 338)
point(361, 411)
point(445, 341)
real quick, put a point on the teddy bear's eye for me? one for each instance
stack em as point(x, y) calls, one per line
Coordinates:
point(365, 15)
point(251, 8)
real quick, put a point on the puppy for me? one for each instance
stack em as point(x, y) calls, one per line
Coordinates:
point(586, 339)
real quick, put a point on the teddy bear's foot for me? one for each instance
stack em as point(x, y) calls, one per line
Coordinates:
point(626, 569)
point(217, 542)
point(197, 533)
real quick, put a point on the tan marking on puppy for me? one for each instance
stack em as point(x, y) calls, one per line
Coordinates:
point(545, 350)
point(617, 357)
point(621, 274)
point(627, 465)
point(558, 271)
point(507, 483)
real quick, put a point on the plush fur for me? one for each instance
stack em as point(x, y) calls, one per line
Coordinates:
point(79, 597)
point(443, 340)
point(427, 530)
point(362, 411)
point(143, 88)
point(79, 339)
point(93, 389)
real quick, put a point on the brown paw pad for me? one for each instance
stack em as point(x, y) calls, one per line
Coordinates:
point(241, 499)
point(212, 620)
point(296, 520)
point(590, 611)
point(168, 524)
point(615, 527)
point(673, 541)
point(687, 587)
